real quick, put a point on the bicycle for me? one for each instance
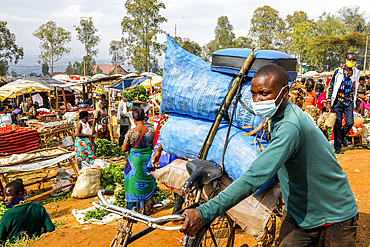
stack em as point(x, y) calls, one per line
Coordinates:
point(218, 233)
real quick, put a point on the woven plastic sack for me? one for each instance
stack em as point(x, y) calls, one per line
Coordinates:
point(88, 182)
point(326, 120)
point(183, 137)
point(189, 87)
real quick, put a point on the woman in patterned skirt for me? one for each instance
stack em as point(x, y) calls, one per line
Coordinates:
point(139, 186)
point(84, 144)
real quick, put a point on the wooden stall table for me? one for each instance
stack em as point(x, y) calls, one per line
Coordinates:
point(57, 133)
point(40, 162)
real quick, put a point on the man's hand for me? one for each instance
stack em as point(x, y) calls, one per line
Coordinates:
point(192, 223)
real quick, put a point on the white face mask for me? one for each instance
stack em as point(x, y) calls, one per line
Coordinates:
point(266, 108)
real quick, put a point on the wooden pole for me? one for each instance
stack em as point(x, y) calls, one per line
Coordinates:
point(225, 106)
point(84, 91)
point(64, 99)
point(92, 95)
point(110, 117)
point(48, 192)
point(367, 39)
point(151, 92)
point(56, 98)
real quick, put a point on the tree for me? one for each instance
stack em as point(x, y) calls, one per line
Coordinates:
point(9, 50)
point(189, 45)
point(53, 43)
point(140, 29)
point(352, 19)
point(267, 28)
point(329, 25)
point(117, 52)
point(69, 69)
point(300, 38)
point(224, 36)
point(86, 34)
point(243, 42)
point(99, 70)
point(45, 69)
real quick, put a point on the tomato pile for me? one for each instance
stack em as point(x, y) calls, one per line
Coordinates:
point(8, 128)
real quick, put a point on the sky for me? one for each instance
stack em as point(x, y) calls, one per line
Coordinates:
point(195, 19)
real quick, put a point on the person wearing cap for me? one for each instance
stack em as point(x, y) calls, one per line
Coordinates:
point(84, 140)
point(16, 114)
point(341, 97)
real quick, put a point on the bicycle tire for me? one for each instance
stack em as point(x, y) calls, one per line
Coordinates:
point(222, 230)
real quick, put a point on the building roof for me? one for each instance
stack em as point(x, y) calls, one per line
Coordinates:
point(109, 68)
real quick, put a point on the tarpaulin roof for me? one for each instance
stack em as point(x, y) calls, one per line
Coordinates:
point(129, 82)
point(19, 87)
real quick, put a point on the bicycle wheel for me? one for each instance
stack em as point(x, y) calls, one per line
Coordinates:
point(218, 233)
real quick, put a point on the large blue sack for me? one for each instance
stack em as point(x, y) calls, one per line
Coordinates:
point(183, 137)
point(189, 87)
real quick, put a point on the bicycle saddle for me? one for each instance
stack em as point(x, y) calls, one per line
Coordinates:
point(201, 172)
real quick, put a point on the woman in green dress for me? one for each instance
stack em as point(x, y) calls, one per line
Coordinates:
point(139, 186)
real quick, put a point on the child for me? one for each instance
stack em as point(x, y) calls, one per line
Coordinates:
point(311, 97)
point(321, 97)
point(23, 217)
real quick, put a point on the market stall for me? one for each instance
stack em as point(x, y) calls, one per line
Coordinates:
point(38, 166)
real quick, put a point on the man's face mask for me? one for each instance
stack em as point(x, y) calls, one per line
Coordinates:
point(266, 108)
point(350, 64)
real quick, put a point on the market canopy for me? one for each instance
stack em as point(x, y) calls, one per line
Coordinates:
point(152, 82)
point(129, 82)
point(19, 87)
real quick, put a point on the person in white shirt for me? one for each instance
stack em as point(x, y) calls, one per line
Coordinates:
point(123, 119)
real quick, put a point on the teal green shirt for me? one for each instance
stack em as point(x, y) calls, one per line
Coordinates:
point(30, 218)
point(314, 187)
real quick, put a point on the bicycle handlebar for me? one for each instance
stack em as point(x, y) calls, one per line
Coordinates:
point(150, 221)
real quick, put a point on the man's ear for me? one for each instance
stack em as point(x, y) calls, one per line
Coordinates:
point(285, 91)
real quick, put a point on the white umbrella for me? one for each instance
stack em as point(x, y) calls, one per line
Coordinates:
point(326, 74)
point(312, 73)
point(154, 81)
point(61, 77)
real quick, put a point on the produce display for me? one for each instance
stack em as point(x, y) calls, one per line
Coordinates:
point(111, 176)
point(9, 127)
point(105, 148)
point(136, 93)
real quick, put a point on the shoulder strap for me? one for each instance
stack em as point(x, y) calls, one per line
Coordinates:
point(141, 137)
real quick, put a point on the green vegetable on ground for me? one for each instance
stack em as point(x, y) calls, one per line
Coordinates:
point(95, 214)
point(3, 208)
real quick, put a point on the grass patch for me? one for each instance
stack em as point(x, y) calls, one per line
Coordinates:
point(56, 199)
point(23, 241)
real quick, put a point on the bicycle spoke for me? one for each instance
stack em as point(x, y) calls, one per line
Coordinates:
point(212, 236)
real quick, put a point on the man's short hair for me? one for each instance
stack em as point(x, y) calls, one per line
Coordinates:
point(105, 101)
point(350, 53)
point(16, 185)
point(310, 81)
point(278, 72)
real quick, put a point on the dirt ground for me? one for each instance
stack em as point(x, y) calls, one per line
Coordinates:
point(356, 163)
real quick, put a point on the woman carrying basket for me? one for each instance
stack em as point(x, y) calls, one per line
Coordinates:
point(139, 186)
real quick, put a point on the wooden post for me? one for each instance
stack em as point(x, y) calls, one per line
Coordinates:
point(64, 99)
point(92, 95)
point(84, 92)
point(151, 92)
point(367, 39)
point(110, 117)
point(56, 98)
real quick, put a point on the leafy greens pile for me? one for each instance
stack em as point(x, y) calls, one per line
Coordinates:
point(136, 93)
point(105, 148)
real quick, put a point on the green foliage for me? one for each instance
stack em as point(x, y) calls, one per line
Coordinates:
point(243, 42)
point(189, 45)
point(52, 43)
point(136, 93)
point(111, 176)
point(160, 195)
point(9, 50)
point(117, 152)
point(95, 214)
point(140, 28)
point(329, 25)
point(3, 208)
point(120, 198)
point(23, 241)
point(98, 70)
point(86, 34)
point(353, 20)
point(45, 69)
point(267, 28)
point(56, 199)
point(103, 148)
point(117, 52)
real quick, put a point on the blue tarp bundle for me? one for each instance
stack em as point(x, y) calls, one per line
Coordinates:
point(190, 88)
point(183, 137)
